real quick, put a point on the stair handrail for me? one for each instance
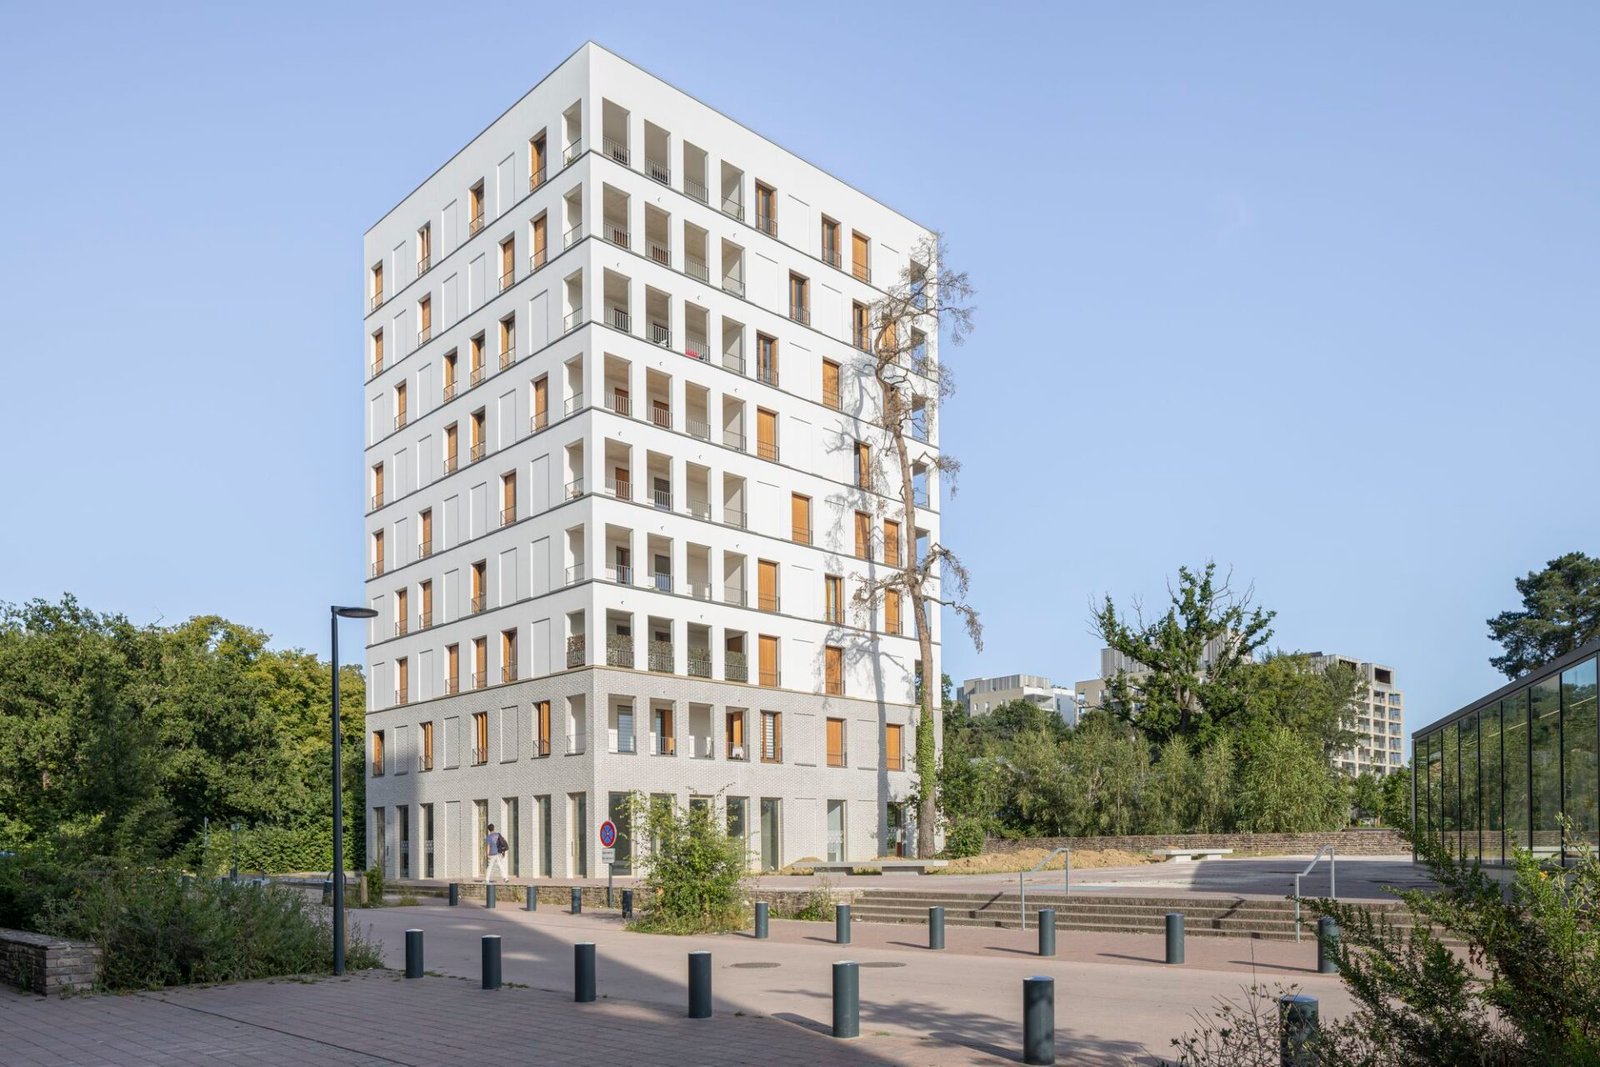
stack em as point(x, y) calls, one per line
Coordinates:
point(1066, 872)
point(1333, 892)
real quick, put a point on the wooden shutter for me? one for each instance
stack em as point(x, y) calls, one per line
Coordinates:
point(768, 658)
point(427, 589)
point(535, 161)
point(480, 731)
point(377, 348)
point(539, 230)
point(835, 742)
point(541, 398)
point(736, 728)
point(858, 254)
point(888, 343)
point(891, 542)
point(427, 744)
point(800, 518)
point(863, 535)
point(833, 660)
point(767, 585)
point(767, 433)
point(830, 383)
point(863, 465)
point(377, 751)
point(891, 746)
point(511, 492)
point(377, 482)
point(403, 675)
point(508, 255)
point(542, 723)
point(891, 610)
point(453, 662)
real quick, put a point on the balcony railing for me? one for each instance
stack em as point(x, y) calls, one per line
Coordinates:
point(450, 463)
point(507, 278)
point(574, 403)
point(834, 614)
point(698, 428)
point(424, 620)
point(830, 397)
point(801, 535)
point(574, 150)
point(402, 627)
point(536, 179)
point(735, 517)
point(617, 150)
point(661, 416)
point(699, 662)
point(660, 335)
point(733, 285)
point(478, 603)
point(377, 501)
point(480, 756)
point(621, 488)
point(733, 207)
point(377, 567)
point(477, 376)
point(538, 421)
point(734, 594)
point(862, 271)
point(424, 335)
point(698, 348)
point(661, 657)
point(830, 256)
point(403, 697)
point(536, 260)
point(800, 313)
point(376, 369)
point(733, 361)
point(733, 439)
point(767, 450)
point(508, 357)
point(577, 744)
point(574, 489)
point(736, 667)
point(424, 261)
point(696, 268)
point(424, 761)
point(859, 338)
point(377, 766)
point(479, 450)
point(627, 744)
point(892, 626)
point(377, 301)
point(572, 321)
point(425, 549)
point(572, 236)
point(767, 224)
point(768, 602)
point(737, 751)
point(661, 253)
point(452, 686)
point(475, 223)
point(700, 509)
point(836, 758)
point(659, 171)
point(696, 190)
point(618, 319)
point(450, 390)
point(617, 233)
point(619, 651)
point(575, 651)
point(508, 673)
point(508, 516)
point(577, 573)
point(767, 374)
point(662, 581)
point(541, 747)
point(666, 746)
point(480, 679)
point(620, 403)
point(621, 574)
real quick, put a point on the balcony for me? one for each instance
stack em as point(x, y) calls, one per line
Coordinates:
point(700, 509)
point(572, 236)
point(424, 761)
point(508, 357)
point(666, 746)
point(506, 279)
point(576, 573)
point(424, 261)
point(830, 256)
point(617, 150)
point(767, 450)
point(621, 488)
point(377, 301)
point(660, 657)
point(402, 627)
point(733, 285)
point(733, 361)
point(661, 581)
point(618, 319)
point(767, 374)
point(575, 651)
point(696, 190)
point(449, 390)
point(424, 620)
point(508, 516)
point(536, 179)
point(800, 313)
point(699, 662)
point(577, 744)
point(697, 269)
point(859, 338)
point(538, 421)
point(403, 697)
point(541, 747)
point(736, 667)
point(377, 567)
point(658, 171)
point(862, 271)
point(734, 595)
point(767, 224)
point(661, 253)
point(477, 376)
point(574, 150)
point(452, 686)
point(376, 369)
point(619, 651)
point(661, 416)
point(475, 223)
point(508, 673)
point(735, 517)
point(478, 603)
point(626, 745)
point(698, 428)
point(377, 766)
point(733, 207)
point(733, 439)
point(450, 463)
point(617, 233)
point(536, 260)
point(660, 335)
point(424, 335)
point(572, 321)
point(480, 680)
point(621, 575)
point(697, 348)
point(480, 756)
point(377, 502)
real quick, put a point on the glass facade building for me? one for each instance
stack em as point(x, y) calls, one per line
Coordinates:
point(1500, 773)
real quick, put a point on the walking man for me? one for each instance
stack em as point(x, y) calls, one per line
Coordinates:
point(495, 849)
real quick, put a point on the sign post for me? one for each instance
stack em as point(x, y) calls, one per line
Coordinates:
point(608, 853)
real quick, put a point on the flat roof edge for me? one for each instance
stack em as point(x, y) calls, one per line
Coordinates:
point(1555, 666)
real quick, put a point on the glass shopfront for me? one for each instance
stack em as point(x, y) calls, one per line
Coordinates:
point(1501, 773)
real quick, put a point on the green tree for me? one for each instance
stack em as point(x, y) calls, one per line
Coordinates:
point(1366, 795)
point(1190, 656)
point(695, 874)
point(1394, 804)
point(1560, 612)
point(1288, 690)
point(1285, 786)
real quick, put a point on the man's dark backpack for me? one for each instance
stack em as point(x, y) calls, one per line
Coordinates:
point(500, 846)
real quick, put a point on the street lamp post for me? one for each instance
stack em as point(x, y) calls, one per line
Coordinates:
point(334, 615)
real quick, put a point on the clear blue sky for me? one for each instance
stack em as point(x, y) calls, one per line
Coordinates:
point(1311, 293)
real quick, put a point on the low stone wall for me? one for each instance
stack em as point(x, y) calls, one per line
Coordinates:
point(1355, 842)
point(39, 963)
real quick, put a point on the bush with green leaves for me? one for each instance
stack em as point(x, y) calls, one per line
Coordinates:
point(695, 874)
point(1524, 992)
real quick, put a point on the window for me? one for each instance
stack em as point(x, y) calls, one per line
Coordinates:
point(541, 729)
point(766, 209)
point(920, 283)
point(863, 535)
point(480, 738)
point(891, 610)
point(537, 238)
point(800, 518)
point(377, 284)
point(541, 404)
point(666, 739)
point(402, 611)
point(891, 542)
point(767, 659)
point(377, 353)
point(480, 575)
point(830, 242)
point(536, 159)
point(479, 447)
point(799, 298)
point(508, 498)
point(450, 375)
point(424, 248)
point(377, 553)
point(480, 662)
point(830, 384)
point(836, 754)
point(767, 585)
point(475, 208)
point(893, 748)
point(425, 757)
point(771, 737)
point(833, 674)
point(425, 528)
point(833, 598)
point(1578, 755)
point(767, 434)
point(733, 723)
point(860, 255)
point(402, 680)
point(424, 320)
point(766, 359)
point(859, 333)
point(377, 486)
point(478, 372)
point(425, 605)
point(400, 405)
point(450, 455)
point(863, 465)
point(508, 656)
point(508, 341)
point(452, 668)
point(377, 753)
point(508, 262)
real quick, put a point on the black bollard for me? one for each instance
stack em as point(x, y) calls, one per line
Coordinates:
point(531, 902)
point(491, 961)
point(413, 953)
point(699, 985)
point(488, 894)
point(583, 972)
point(627, 903)
point(841, 924)
point(1297, 1016)
point(455, 893)
point(761, 920)
point(577, 901)
point(1327, 945)
point(1047, 931)
point(1174, 937)
point(846, 999)
point(936, 928)
point(1039, 1020)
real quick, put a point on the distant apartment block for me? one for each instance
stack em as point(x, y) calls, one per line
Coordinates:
point(1378, 718)
point(982, 695)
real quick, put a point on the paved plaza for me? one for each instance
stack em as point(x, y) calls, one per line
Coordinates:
point(1116, 1001)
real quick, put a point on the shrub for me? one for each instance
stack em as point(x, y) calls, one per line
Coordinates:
point(695, 875)
point(375, 886)
point(818, 907)
point(157, 928)
point(964, 838)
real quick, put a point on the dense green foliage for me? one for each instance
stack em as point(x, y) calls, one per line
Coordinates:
point(1560, 612)
point(127, 743)
point(695, 874)
point(1525, 992)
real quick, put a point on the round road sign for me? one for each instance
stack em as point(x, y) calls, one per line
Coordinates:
point(608, 833)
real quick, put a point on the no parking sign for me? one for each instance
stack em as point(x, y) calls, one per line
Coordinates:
point(608, 840)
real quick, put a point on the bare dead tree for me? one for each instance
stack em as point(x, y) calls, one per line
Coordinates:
point(901, 351)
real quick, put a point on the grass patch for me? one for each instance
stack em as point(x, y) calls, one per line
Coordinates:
point(1028, 858)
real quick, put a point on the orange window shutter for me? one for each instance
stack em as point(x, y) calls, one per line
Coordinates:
point(541, 396)
point(892, 745)
point(766, 427)
point(835, 737)
point(511, 491)
point(830, 378)
point(891, 542)
point(405, 674)
point(835, 667)
point(736, 729)
point(769, 654)
point(767, 575)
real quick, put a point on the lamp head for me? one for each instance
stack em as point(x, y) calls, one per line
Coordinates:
point(355, 613)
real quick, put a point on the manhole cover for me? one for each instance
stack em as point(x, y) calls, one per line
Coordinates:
point(882, 963)
point(753, 966)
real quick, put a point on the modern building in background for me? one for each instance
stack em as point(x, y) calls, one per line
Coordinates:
point(979, 696)
point(620, 454)
point(1379, 719)
point(1091, 692)
point(1502, 772)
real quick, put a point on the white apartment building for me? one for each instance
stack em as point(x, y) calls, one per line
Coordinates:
point(620, 458)
point(1378, 719)
point(980, 696)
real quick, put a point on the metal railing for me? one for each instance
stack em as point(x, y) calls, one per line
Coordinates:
point(403, 697)
point(621, 488)
point(575, 653)
point(1066, 876)
point(627, 744)
point(830, 397)
point(696, 268)
point(572, 236)
point(699, 663)
point(478, 603)
point(617, 232)
point(733, 285)
point(800, 313)
point(660, 335)
point(424, 620)
point(666, 746)
point(660, 253)
point(574, 150)
point(577, 744)
point(479, 450)
point(830, 256)
point(541, 747)
point(619, 319)
point(619, 651)
point(424, 335)
point(377, 501)
point(661, 416)
point(863, 271)
point(620, 403)
point(572, 321)
point(377, 368)
point(574, 489)
point(662, 581)
point(424, 761)
point(733, 595)
point(662, 498)
point(698, 428)
point(622, 575)
point(733, 207)
point(475, 223)
point(661, 655)
point(800, 535)
point(538, 421)
point(767, 374)
point(768, 602)
point(736, 667)
point(767, 450)
point(377, 567)
point(576, 573)
point(574, 403)
point(424, 261)
point(1333, 885)
point(402, 627)
point(508, 357)
point(617, 150)
point(836, 758)
point(508, 673)
point(377, 301)
point(507, 278)
point(536, 260)
point(733, 361)
point(767, 224)
point(508, 516)
point(697, 190)
point(735, 517)
point(478, 375)
point(659, 171)
point(536, 179)
point(450, 390)
point(451, 462)
point(480, 756)
point(480, 679)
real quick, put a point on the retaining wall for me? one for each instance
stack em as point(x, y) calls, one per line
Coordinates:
point(1355, 842)
point(39, 963)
